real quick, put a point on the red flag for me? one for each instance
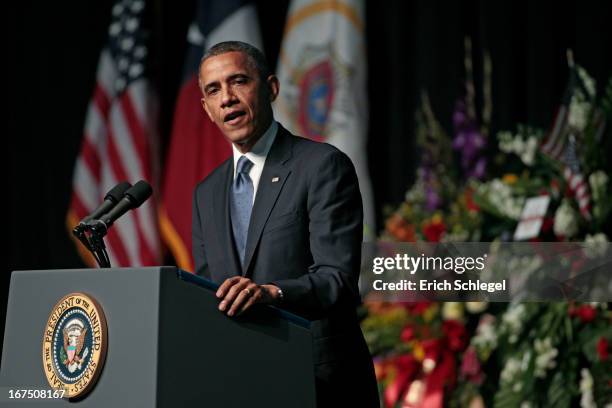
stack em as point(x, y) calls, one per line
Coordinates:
point(197, 145)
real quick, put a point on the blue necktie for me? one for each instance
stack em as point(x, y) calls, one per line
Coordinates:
point(241, 204)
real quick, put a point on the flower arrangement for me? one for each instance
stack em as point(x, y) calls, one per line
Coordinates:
point(474, 188)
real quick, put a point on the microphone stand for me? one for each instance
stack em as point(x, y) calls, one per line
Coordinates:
point(91, 236)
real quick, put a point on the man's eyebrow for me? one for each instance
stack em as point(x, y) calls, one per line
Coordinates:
point(239, 75)
point(211, 84)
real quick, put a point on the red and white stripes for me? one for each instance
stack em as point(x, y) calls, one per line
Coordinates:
point(579, 188)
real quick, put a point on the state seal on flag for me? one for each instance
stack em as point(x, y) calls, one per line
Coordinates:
point(74, 344)
point(316, 98)
point(317, 80)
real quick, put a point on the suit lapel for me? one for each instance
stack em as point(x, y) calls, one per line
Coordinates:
point(221, 213)
point(272, 180)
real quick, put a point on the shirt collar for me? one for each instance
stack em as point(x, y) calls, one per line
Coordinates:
point(257, 155)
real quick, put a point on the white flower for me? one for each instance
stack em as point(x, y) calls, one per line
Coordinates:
point(525, 361)
point(476, 307)
point(524, 148)
point(486, 336)
point(595, 246)
point(452, 311)
point(528, 155)
point(566, 221)
point(580, 105)
point(499, 194)
point(599, 184)
point(586, 389)
point(513, 318)
point(518, 145)
point(545, 358)
point(578, 113)
point(510, 370)
point(505, 141)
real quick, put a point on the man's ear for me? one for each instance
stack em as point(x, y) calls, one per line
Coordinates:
point(273, 87)
point(203, 101)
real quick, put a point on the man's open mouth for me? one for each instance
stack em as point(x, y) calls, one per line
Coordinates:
point(233, 117)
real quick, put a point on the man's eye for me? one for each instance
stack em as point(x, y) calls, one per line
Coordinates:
point(213, 91)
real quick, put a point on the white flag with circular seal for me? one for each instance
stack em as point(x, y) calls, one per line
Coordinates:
point(322, 72)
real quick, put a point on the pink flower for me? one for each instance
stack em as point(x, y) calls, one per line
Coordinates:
point(407, 333)
point(470, 367)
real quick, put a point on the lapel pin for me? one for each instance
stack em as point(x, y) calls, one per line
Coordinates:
point(275, 179)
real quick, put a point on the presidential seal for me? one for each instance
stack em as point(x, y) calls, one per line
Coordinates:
point(74, 344)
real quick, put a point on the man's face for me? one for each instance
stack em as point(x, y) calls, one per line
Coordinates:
point(235, 98)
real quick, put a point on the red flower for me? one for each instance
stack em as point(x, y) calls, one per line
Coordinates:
point(417, 308)
point(602, 348)
point(469, 200)
point(400, 229)
point(406, 234)
point(406, 367)
point(554, 187)
point(456, 335)
point(434, 230)
point(470, 366)
point(586, 313)
point(407, 333)
point(547, 224)
point(432, 348)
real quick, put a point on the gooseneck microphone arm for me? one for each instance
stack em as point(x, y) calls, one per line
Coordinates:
point(81, 231)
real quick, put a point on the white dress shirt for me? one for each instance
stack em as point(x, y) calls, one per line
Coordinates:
point(257, 155)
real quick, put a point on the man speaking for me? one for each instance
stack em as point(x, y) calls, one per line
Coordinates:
point(280, 223)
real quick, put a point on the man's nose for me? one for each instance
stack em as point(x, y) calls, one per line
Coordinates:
point(228, 97)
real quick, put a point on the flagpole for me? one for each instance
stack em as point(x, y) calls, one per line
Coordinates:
point(570, 58)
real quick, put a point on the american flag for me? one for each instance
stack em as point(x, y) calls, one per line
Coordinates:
point(576, 182)
point(561, 143)
point(119, 141)
point(555, 142)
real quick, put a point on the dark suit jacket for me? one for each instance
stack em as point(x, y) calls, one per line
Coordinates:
point(305, 237)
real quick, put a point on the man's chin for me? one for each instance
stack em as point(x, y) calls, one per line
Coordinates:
point(238, 138)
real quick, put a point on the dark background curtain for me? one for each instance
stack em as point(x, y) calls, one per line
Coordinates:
point(53, 50)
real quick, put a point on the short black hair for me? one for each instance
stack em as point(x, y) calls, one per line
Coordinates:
point(256, 58)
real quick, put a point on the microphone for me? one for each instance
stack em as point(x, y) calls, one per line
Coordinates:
point(110, 200)
point(133, 198)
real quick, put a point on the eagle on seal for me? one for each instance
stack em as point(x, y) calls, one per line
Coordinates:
point(74, 340)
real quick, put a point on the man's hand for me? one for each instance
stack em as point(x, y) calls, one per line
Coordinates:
point(239, 293)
